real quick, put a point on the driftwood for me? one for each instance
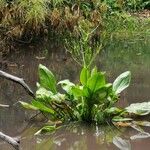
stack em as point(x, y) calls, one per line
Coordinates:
point(14, 142)
point(17, 80)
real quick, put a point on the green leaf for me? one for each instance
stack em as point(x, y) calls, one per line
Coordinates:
point(28, 106)
point(47, 79)
point(77, 92)
point(121, 119)
point(139, 109)
point(58, 97)
point(66, 85)
point(42, 107)
point(43, 95)
point(94, 71)
point(114, 111)
point(122, 82)
point(96, 82)
point(46, 129)
point(84, 75)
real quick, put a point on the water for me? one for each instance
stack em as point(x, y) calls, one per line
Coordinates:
point(119, 56)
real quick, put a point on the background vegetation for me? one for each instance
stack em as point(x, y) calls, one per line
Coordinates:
point(26, 20)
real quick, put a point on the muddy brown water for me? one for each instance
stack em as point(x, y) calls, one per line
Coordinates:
point(117, 57)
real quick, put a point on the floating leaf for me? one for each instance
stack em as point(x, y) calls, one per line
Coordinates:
point(139, 109)
point(122, 82)
point(47, 79)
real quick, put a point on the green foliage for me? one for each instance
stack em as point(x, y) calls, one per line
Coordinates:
point(47, 79)
point(122, 82)
point(84, 43)
point(140, 109)
point(92, 100)
point(46, 129)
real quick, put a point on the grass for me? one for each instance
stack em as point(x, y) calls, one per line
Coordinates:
point(57, 19)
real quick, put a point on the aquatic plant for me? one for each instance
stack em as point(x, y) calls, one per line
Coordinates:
point(92, 100)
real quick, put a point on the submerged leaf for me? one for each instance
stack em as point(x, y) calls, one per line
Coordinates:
point(136, 127)
point(46, 129)
point(122, 82)
point(122, 124)
point(142, 123)
point(139, 109)
point(142, 135)
point(47, 79)
point(121, 143)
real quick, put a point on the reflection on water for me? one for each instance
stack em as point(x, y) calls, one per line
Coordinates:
point(119, 56)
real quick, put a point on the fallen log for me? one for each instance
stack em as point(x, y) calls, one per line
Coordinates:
point(10, 140)
point(17, 80)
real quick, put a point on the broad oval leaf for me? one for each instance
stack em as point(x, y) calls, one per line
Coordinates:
point(122, 82)
point(84, 75)
point(96, 82)
point(77, 92)
point(139, 109)
point(47, 79)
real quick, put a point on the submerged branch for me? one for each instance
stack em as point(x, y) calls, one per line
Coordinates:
point(17, 80)
point(10, 140)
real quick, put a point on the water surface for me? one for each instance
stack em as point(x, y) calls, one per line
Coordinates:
point(117, 57)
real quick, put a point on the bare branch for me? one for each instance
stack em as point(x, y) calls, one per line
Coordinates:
point(4, 106)
point(17, 80)
point(10, 140)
